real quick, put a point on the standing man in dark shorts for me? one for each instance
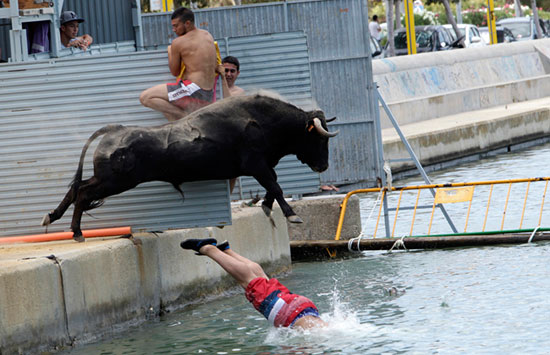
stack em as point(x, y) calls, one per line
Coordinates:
point(192, 58)
point(281, 307)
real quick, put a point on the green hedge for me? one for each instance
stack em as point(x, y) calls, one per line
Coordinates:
point(473, 11)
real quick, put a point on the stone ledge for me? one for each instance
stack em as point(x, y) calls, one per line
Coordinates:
point(321, 217)
point(85, 291)
point(443, 139)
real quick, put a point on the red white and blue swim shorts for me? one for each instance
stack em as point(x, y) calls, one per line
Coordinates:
point(188, 95)
point(276, 303)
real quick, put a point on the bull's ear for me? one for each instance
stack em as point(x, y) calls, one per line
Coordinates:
point(330, 119)
point(310, 126)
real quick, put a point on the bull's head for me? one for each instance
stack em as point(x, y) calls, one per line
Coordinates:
point(314, 150)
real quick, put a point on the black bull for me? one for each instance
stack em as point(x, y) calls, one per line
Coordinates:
point(238, 136)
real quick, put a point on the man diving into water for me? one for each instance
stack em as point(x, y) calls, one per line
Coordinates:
point(281, 307)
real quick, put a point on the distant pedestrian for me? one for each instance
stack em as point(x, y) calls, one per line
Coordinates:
point(374, 28)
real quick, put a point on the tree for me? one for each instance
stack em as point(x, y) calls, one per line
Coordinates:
point(517, 8)
point(397, 14)
point(390, 26)
point(451, 19)
point(536, 18)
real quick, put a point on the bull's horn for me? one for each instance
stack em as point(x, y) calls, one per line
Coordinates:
point(321, 130)
point(331, 119)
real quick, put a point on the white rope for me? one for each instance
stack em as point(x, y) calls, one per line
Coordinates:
point(398, 244)
point(387, 169)
point(350, 243)
point(533, 234)
point(362, 235)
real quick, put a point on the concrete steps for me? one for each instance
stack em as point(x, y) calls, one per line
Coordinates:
point(442, 139)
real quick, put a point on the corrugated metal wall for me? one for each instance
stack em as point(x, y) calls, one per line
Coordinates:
point(336, 36)
point(276, 62)
point(107, 21)
point(49, 109)
point(338, 59)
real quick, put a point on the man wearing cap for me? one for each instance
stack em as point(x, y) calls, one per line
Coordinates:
point(69, 30)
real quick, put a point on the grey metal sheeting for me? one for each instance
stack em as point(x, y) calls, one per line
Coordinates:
point(107, 21)
point(336, 36)
point(277, 62)
point(49, 109)
point(94, 49)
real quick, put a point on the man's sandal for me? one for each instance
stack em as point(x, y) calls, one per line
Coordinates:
point(223, 246)
point(197, 244)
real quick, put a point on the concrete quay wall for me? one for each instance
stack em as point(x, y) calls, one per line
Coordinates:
point(321, 215)
point(453, 137)
point(434, 85)
point(59, 294)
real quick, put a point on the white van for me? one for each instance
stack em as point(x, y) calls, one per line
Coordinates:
point(523, 28)
point(472, 37)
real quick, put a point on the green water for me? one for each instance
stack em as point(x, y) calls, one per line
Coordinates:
point(488, 300)
point(456, 301)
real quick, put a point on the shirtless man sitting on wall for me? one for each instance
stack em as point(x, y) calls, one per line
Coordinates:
point(192, 58)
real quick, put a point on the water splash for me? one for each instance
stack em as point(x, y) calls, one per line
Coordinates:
point(343, 329)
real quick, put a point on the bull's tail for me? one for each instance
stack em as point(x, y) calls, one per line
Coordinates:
point(77, 180)
point(75, 184)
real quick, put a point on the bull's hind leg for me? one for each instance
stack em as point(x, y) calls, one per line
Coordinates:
point(60, 210)
point(79, 208)
point(89, 197)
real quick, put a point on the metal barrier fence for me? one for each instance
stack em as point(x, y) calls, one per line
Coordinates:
point(42, 132)
point(264, 56)
point(107, 21)
point(339, 60)
point(479, 207)
point(340, 65)
point(49, 109)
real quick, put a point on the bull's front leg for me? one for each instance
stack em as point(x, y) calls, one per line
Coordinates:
point(267, 204)
point(274, 191)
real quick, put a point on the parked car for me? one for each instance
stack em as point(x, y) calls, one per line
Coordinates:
point(428, 39)
point(523, 28)
point(504, 35)
point(472, 37)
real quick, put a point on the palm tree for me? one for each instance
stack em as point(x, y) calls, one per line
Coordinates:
point(536, 18)
point(517, 8)
point(397, 14)
point(389, 26)
point(451, 18)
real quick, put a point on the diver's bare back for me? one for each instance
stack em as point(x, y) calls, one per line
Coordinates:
point(198, 53)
